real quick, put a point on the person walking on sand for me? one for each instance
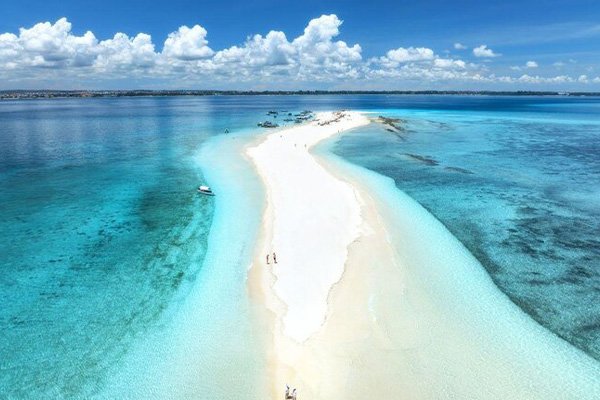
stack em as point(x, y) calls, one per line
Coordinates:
point(274, 258)
point(267, 259)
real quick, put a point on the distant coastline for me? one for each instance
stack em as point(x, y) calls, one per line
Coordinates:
point(51, 94)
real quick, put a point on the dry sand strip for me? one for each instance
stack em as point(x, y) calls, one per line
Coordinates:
point(311, 219)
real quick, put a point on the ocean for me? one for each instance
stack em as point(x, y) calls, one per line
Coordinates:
point(105, 242)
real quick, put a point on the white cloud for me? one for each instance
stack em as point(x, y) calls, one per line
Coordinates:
point(531, 64)
point(9, 51)
point(317, 51)
point(484, 51)
point(52, 53)
point(460, 46)
point(538, 79)
point(258, 51)
point(527, 65)
point(449, 63)
point(48, 45)
point(124, 53)
point(419, 64)
point(403, 55)
point(314, 55)
point(187, 44)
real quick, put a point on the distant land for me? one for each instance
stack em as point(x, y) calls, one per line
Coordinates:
point(49, 94)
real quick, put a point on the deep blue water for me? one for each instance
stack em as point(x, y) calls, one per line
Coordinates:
point(102, 229)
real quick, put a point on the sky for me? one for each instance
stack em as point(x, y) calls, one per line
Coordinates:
point(308, 44)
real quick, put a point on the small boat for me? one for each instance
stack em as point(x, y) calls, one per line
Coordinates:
point(205, 190)
point(267, 124)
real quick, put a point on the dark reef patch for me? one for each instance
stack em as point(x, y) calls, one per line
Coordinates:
point(423, 159)
point(459, 170)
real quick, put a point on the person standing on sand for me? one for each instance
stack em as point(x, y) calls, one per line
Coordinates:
point(274, 258)
point(267, 259)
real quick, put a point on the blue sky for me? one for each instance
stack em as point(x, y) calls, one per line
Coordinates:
point(348, 45)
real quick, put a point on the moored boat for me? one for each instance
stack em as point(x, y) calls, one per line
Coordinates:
point(205, 190)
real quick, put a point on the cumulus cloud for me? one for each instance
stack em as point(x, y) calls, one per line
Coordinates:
point(531, 64)
point(420, 64)
point(48, 45)
point(258, 51)
point(314, 55)
point(449, 63)
point(539, 79)
point(123, 52)
point(53, 46)
point(484, 51)
point(527, 65)
point(187, 44)
point(260, 56)
point(51, 52)
point(402, 55)
point(317, 50)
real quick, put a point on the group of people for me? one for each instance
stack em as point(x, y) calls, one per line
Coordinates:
point(290, 395)
point(274, 258)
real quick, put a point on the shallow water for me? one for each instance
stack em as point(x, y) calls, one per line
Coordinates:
point(449, 332)
point(519, 185)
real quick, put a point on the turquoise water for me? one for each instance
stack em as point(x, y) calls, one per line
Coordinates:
point(518, 182)
point(102, 230)
point(209, 344)
point(105, 242)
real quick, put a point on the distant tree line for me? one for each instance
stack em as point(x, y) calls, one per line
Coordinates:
point(47, 94)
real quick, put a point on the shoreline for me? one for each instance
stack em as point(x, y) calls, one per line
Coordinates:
point(390, 328)
point(178, 358)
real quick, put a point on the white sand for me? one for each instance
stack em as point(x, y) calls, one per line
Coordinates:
point(372, 298)
point(315, 217)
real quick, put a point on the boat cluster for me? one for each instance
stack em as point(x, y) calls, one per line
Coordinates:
point(297, 118)
point(267, 124)
point(303, 116)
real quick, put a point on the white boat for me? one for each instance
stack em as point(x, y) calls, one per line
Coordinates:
point(205, 190)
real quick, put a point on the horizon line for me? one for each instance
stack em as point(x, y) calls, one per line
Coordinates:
point(7, 94)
